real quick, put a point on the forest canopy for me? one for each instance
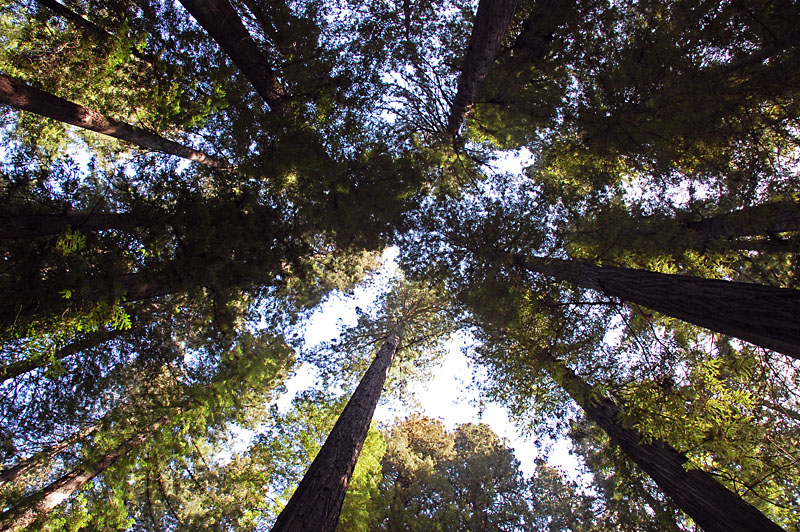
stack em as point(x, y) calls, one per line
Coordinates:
point(184, 184)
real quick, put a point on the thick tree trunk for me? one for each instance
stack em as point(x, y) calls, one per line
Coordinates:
point(491, 22)
point(317, 502)
point(22, 302)
point(760, 220)
point(38, 225)
point(15, 369)
point(14, 472)
point(763, 315)
point(712, 506)
point(220, 20)
point(25, 97)
point(58, 491)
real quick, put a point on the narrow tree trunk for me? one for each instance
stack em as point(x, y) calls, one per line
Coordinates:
point(712, 506)
point(89, 28)
point(14, 472)
point(25, 97)
point(15, 369)
point(763, 315)
point(317, 502)
point(220, 20)
point(37, 225)
point(491, 22)
point(40, 503)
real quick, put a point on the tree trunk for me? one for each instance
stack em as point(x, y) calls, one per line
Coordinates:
point(40, 503)
point(25, 97)
point(22, 302)
point(37, 225)
point(763, 315)
point(14, 472)
point(220, 20)
point(760, 220)
point(491, 22)
point(712, 506)
point(317, 502)
point(21, 367)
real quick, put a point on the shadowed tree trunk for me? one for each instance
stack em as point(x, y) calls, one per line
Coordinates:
point(38, 225)
point(22, 302)
point(14, 472)
point(222, 22)
point(317, 502)
point(40, 503)
point(712, 506)
point(763, 315)
point(21, 367)
point(25, 97)
point(491, 22)
point(759, 220)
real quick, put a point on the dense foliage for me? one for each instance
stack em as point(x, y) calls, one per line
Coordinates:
point(182, 185)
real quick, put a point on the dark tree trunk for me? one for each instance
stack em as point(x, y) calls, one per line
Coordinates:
point(89, 28)
point(763, 315)
point(14, 472)
point(491, 22)
point(712, 506)
point(23, 302)
point(220, 20)
point(317, 502)
point(41, 502)
point(15, 369)
point(25, 97)
point(38, 225)
point(760, 220)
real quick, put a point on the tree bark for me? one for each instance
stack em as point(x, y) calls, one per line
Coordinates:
point(220, 20)
point(14, 472)
point(15, 369)
point(491, 22)
point(40, 503)
point(25, 97)
point(712, 506)
point(317, 502)
point(760, 220)
point(38, 225)
point(22, 302)
point(763, 315)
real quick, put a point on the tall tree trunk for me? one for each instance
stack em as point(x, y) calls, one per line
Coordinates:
point(22, 302)
point(41, 502)
point(763, 315)
point(14, 472)
point(491, 22)
point(37, 225)
point(88, 27)
point(222, 22)
point(317, 502)
point(759, 220)
point(25, 97)
point(15, 369)
point(712, 506)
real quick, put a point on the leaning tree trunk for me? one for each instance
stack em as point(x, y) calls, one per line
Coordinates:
point(12, 473)
point(27, 98)
point(712, 506)
point(763, 315)
point(41, 502)
point(220, 20)
point(759, 220)
point(37, 225)
point(23, 302)
point(317, 502)
point(15, 369)
point(491, 22)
